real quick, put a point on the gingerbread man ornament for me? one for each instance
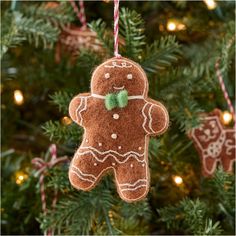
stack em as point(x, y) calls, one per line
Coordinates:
point(118, 118)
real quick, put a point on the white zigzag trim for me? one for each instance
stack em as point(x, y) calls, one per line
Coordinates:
point(132, 189)
point(107, 156)
point(150, 121)
point(83, 99)
point(78, 175)
point(140, 180)
point(80, 171)
point(112, 151)
point(145, 118)
point(81, 103)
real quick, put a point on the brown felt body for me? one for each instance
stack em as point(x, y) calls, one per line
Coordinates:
point(116, 140)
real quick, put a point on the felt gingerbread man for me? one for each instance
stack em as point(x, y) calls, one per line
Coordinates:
point(118, 118)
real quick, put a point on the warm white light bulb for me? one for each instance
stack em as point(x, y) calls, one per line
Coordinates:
point(20, 177)
point(211, 4)
point(18, 97)
point(227, 117)
point(178, 180)
point(171, 26)
point(66, 120)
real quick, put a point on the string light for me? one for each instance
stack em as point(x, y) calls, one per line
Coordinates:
point(18, 97)
point(173, 25)
point(211, 4)
point(178, 180)
point(66, 120)
point(226, 117)
point(21, 177)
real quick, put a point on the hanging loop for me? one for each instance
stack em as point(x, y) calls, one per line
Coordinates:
point(116, 28)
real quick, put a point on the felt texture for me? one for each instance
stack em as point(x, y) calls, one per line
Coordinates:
point(122, 98)
point(110, 101)
point(214, 142)
point(116, 140)
point(113, 100)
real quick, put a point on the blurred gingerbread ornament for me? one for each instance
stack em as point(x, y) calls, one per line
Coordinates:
point(214, 142)
point(74, 38)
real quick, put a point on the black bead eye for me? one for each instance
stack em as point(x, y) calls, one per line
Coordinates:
point(129, 76)
point(107, 76)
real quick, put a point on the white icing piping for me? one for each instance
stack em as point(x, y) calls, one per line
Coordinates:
point(135, 183)
point(109, 155)
point(122, 65)
point(129, 97)
point(112, 151)
point(79, 175)
point(89, 175)
point(150, 120)
point(132, 189)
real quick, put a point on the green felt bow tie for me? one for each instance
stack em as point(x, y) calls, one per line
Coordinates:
point(113, 100)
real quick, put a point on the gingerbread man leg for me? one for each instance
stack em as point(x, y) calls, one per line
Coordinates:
point(228, 152)
point(208, 166)
point(85, 171)
point(132, 179)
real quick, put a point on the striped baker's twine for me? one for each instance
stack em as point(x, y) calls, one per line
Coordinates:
point(116, 28)
point(80, 13)
point(42, 167)
point(222, 85)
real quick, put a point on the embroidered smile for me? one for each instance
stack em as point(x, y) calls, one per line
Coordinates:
point(119, 88)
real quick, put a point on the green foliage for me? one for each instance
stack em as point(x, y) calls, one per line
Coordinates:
point(10, 36)
point(62, 100)
point(103, 35)
point(22, 28)
point(132, 30)
point(74, 211)
point(26, 203)
point(60, 14)
point(37, 31)
point(87, 59)
point(190, 215)
point(161, 54)
point(221, 188)
point(59, 132)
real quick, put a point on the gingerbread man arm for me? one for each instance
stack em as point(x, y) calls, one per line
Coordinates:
point(77, 106)
point(156, 118)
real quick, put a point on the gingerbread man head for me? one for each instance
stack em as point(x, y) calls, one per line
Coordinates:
point(117, 74)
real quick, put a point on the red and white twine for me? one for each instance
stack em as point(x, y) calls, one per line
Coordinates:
point(222, 85)
point(80, 13)
point(116, 28)
point(42, 166)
